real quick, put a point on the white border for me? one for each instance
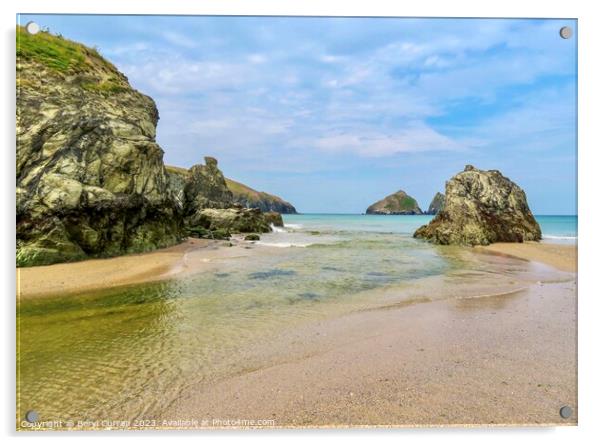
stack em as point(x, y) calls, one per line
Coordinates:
point(590, 308)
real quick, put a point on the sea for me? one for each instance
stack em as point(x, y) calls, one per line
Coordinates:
point(555, 228)
point(131, 352)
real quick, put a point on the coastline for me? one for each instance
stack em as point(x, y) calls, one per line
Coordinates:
point(471, 357)
point(191, 256)
point(199, 255)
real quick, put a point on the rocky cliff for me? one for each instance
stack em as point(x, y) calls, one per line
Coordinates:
point(399, 203)
point(482, 207)
point(436, 204)
point(90, 176)
point(247, 197)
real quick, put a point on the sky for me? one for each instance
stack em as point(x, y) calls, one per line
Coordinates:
point(333, 114)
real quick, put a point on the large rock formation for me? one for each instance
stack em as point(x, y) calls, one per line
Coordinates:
point(482, 207)
point(399, 203)
point(235, 220)
point(436, 204)
point(247, 197)
point(90, 176)
point(207, 202)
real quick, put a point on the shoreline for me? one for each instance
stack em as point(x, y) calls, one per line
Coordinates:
point(469, 362)
point(190, 256)
point(450, 350)
point(560, 256)
point(200, 255)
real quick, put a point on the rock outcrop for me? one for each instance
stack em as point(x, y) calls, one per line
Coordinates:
point(482, 207)
point(90, 176)
point(274, 218)
point(399, 203)
point(247, 197)
point(91, 181)
point(234, 220)
point(436, 204)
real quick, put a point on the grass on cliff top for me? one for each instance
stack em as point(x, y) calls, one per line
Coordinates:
point(177, 170)
point(242, 190)
point(57, 53)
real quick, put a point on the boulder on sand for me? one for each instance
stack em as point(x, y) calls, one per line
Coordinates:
point(481, 207)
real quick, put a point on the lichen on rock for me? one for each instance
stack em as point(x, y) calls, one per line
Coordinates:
point(481, 207)
point(90, 176)
point(91, 181)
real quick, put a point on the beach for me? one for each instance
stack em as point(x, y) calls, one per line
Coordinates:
point(69, 278)
point(314, 325)
point(559, 256)
point(191, 256)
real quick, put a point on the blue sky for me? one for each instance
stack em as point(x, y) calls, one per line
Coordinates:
point(333, 114)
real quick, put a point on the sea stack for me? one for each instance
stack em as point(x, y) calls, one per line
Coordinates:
point(399, 203)
point(481, 207)
point(436, 204)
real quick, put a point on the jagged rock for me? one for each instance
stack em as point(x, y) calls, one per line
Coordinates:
point(399, 203)
point(90, 176)
point(198, 188)
point(482, 207)
point(235, 220)
point(274, 218)
point(436, 204)
point(252, 237)
point(206, 187)
point(91, 181)
point(247, 197)
point(200, 232)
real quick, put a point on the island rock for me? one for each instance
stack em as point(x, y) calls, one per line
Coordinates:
point(436, 204)
point(399, 203)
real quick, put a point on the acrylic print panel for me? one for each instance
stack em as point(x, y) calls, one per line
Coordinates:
point(232, 222)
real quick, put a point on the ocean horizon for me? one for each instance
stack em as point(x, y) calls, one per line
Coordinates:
point(555, 228)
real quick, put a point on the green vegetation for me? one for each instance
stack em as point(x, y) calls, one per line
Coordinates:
point(201, 232)
point(60, 54)
point(176, 170)
point(404, 203)
point(242, 190)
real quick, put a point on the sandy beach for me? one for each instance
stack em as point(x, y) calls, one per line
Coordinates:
point(198, 255)
point(559, 256)
point(507, 359)
point(192, 256)
point(503, 357)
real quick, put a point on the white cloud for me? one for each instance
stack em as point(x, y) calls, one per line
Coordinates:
point(179, 39)
point(415, 137)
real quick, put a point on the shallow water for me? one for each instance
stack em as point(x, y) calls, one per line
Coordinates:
point(129, 353)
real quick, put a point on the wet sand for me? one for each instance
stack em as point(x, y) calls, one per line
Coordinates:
point(507, 359)
point(559, 256)
point(197, 255)
point(191, 256)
